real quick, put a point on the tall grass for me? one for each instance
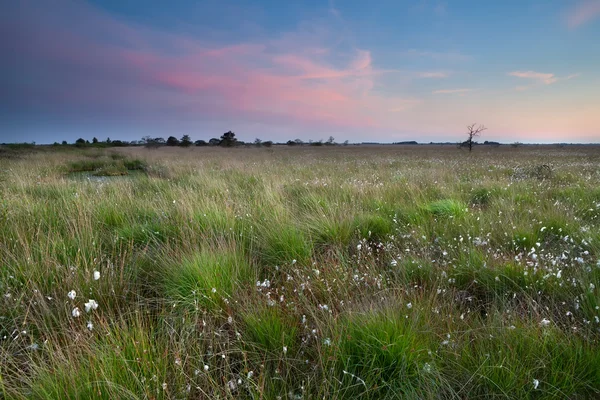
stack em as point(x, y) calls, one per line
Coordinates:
point(354, 272)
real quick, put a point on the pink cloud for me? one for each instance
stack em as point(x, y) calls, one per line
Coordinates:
point(583, 12)
point(269, 80)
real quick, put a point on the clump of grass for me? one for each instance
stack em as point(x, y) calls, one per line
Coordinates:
point(107, 166)
point(87, 165)
point(281, 245)
point(543, 171)
point(446, 208)
point(214, 222)
point(111, 170)
point(383, 354)
point(269, 331)
point(413, 271)
point(524, 362)
point(207, 277)
point(332, 232)
point(481, 196)
point(125, 361)
point(144, 233)
point(373, 227)
point(134, 165)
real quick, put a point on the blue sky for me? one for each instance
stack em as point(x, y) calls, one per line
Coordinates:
point(363, 71)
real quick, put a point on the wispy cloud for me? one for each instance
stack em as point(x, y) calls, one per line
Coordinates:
point(453, 91)
point(433, 74)
point(539, 78)
point(544, 78)
point(333, 9)
point(582, 12)
point(445, 56)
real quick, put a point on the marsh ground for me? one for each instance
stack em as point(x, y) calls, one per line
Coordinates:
point(334, 272)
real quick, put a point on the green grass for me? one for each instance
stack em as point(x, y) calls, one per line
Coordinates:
point(206, 278)
point(106, 166)
point(446, 208)
point(329, 272)
point(384, 355)
point(508, 361)
point(268, 330)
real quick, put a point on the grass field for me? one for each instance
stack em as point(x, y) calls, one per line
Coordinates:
point(297, 273)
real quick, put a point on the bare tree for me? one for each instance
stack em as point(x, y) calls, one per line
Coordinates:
point(473, 132)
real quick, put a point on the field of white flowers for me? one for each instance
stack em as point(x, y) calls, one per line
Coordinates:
point(296, 273)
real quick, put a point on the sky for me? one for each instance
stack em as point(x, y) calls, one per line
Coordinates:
point(378, 70)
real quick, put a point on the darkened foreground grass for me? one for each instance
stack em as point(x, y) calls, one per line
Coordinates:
point(373, 272)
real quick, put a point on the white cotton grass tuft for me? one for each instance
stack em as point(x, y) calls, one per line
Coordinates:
point(72, 294)
point(96, 275)
point(90, 325)
point(76, 312)
point(91, 305)
point(536, 383)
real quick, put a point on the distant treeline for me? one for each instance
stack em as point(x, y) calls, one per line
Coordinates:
point(228, 139)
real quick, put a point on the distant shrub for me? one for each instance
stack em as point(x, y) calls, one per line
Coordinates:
point(186, 141)
point(172, 141)
point(228, 139)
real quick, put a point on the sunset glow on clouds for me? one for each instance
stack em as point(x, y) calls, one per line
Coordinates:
point(583, 12)
point(77, 69)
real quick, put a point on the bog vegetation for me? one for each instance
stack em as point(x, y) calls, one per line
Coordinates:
point(298, 273)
